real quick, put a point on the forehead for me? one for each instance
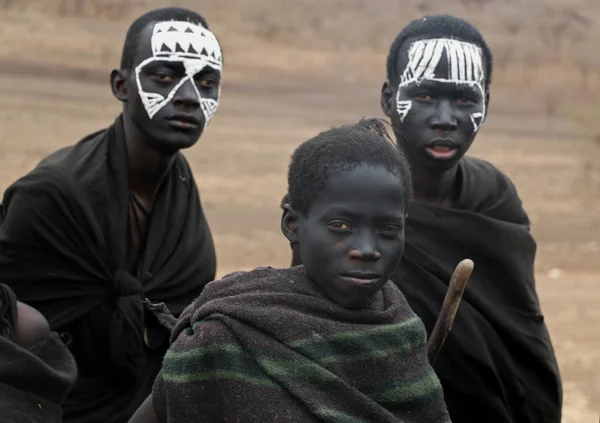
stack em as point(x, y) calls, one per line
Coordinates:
point(367, 191)
point(442, 59)
point(180, 41)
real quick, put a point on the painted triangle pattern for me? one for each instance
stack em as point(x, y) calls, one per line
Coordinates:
point(152, 102)
point(209, 107)
point(185, 39)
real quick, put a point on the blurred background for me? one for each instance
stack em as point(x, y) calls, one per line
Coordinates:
point(296, 67)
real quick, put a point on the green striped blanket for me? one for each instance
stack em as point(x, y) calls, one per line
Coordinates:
point(268, 346)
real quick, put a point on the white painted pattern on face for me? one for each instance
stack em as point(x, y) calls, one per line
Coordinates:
point(192, 45)
point(465, 66)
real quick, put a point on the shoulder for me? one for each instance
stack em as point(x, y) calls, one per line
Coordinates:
point(261, 279)
point(240, 285)
point(475, 167)
point(66, 158)
point(60, 174)
point(489, 191)
point(37, 192)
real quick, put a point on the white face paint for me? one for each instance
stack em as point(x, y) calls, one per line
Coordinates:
point(192, 45)
point(465, 66)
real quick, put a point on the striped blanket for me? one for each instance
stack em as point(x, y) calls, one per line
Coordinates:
point(268, 346)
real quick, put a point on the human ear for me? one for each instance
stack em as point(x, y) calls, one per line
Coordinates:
point(289, 224)
point(118, 84)
point(388, 99)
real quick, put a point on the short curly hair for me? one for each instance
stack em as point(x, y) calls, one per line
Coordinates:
point(438, 26)
point(342, 149)
point(153, 16)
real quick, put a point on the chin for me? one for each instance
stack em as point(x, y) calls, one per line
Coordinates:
point(170, 143)
point(440, 165)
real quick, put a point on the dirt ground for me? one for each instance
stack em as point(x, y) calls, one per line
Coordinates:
point(240, 165)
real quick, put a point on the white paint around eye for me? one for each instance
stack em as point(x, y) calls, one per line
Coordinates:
point(465, 66)
point(192, 45)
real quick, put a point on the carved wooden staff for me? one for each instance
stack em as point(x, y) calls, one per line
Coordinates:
point(443, 324)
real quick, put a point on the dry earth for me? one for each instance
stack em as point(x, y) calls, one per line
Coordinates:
point(293, 69)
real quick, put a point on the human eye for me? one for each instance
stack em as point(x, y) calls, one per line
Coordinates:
point(391, 231)
point(162, 77)
point(339, 226)
point(423, 97)
point(465, 100)
point(208, 82)
point(466, 96)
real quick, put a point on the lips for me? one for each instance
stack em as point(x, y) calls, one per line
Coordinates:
point(360, 278)
point(442, 149)
point(183, 121)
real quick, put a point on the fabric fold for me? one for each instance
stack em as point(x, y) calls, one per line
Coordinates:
point(62, 245)
point(268, 345)
point(498, 359)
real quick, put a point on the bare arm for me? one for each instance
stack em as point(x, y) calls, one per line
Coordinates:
point(31, 328)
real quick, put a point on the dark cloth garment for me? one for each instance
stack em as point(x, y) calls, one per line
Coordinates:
point(62, 245)
point(35, 380)
point(497, 364)
point(8, 312)
point(269, 346)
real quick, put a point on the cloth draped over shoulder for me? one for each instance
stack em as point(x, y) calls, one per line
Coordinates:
point(268, 345)
point(497, 364)
point(61, 247)
point(33, 381)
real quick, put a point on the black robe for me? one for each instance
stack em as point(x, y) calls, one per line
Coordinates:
point(497, 364)
point(61, 247)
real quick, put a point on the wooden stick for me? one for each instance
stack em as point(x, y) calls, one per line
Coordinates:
point(443, 324)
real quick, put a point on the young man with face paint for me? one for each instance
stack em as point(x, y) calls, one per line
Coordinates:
point(100, 226)
point(331, 341)
point(497, 364)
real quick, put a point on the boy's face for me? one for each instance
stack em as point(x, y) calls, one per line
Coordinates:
point(352, 237)
point(440, 102)
point(176, 75)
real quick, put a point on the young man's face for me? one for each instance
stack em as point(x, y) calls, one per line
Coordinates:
point(439, 103)
point(352, 237)
point(174, 85)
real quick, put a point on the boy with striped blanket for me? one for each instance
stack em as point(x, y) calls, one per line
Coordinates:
point(330, 341)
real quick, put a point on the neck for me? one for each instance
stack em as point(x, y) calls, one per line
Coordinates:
point(147, 167)
point(432, 187)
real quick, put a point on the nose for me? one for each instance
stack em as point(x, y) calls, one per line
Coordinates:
point(187, 96)
point(444, 118)
point(365, 250)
